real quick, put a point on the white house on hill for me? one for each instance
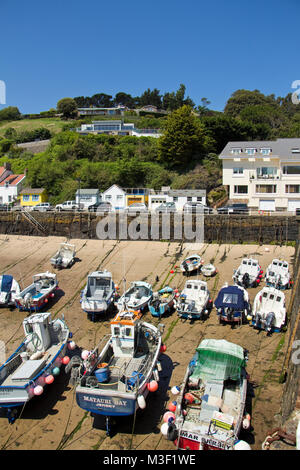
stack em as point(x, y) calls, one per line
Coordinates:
point(116, 196)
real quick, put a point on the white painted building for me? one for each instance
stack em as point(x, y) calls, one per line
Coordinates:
point(10, 188)
point(116, 196)
point(87, 197)
point(179, 196)
point(263, 174)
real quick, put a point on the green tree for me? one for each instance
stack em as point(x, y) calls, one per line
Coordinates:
point(184, 140)
point(67, 107)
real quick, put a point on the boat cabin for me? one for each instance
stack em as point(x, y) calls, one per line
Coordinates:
point(37, 331)
point(99, 284)
point(124, 332)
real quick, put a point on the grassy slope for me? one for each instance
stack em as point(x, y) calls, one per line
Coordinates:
point(53, 124)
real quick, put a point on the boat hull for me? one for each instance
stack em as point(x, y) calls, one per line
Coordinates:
point(106, 404)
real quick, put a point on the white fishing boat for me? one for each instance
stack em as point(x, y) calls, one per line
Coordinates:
point(136, 297)
point(278, 275)
point(98, 296)
point(115, 378)
point(248, 274)
point(269, 311)
point(35, 363)
point(9, 290)
point(191, 263)
point(208, 270)
point(64, 257)
point(37, 295)
point(210, 409)
point(194, 301)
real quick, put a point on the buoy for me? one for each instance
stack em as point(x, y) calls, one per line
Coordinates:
point(46, 301)
point(241, 445)
point(141, 402)
point(163, 348)
point(31, 392)
point(189, 397)
point(164, 429)
point(71, 345)
point(85, 354)
point(176, 290)
point(152, 386)
point(65, 360)
point(172, 406)
point(117, 287)
point(168, 415)
point(38, 390)
point(41, 381)
point(246, 423)
point(172, 271)
point(56, 371)
point(52, 295)
point(175, 390)
point(49, 379)
point(249, 318)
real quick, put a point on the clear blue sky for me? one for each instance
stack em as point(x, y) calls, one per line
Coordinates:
point(50, 50)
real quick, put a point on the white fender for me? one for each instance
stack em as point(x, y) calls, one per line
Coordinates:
point(141, 401)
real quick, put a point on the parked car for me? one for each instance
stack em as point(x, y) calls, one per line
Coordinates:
point(166, 207)
point(67, 206)
point(233, 209)
point(136, 207)
point(4, 207)
point(43, 207)
point(196, 207)
point(100, 207)
point(297, 211)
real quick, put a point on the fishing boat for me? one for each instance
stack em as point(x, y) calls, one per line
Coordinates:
point(162, 301)
point(64, 257)
point(37, 295)
point(208, 270)
point(269, 311)
point(194, 301)
point(98, 296)
point(232, 304)
point(35, 363)
point(210, 410)
point(136, 297)
point(116, 376)
point(191, 263)
point(9, 289)
point(278, 275)
point(248, 274)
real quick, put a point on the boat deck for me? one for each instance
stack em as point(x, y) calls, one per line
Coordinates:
point(120, 368)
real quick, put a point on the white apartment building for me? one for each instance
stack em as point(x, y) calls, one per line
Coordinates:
point(263, 174)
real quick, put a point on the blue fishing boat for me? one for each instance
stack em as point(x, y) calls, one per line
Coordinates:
point(35, 363)
point(232, 304)
point(162, 301)
point(116, 376)
point(36, 296)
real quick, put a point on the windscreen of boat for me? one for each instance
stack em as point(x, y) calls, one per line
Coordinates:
point(232, 297)
point(219, 360)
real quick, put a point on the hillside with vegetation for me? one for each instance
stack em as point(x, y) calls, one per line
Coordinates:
point(184, 157)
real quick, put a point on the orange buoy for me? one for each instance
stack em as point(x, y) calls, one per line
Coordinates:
point(189, 397)
point(172, 406)
point(152, 386)
point(168, 415)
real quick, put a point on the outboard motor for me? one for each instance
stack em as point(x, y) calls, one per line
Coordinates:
point(229, 313)
point(269, 321)
point(246, 280)
point(257, 320)
point(191, 306)
point(278, 283)
point(185, 266)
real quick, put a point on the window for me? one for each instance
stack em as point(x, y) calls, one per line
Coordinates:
point(25, 197)
point(296, 150)
point(108, 197)
point(266, 172)
point(291, 170)
point(250, 151)
point(265, 151)
point(238, 171)
point(199, 199)
point(119, 197)
point(241, 190)
point(35, 197)
point(175, 198)
point(189, 198)
point(116, 331)
point(292, 188)
point(230, 299)
point(266, 188)
point(236, 151)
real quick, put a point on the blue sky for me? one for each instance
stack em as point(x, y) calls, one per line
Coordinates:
point(50, 50)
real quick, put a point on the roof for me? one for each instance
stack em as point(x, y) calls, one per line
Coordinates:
point(112, 186)
point(222, 346)
point(12, 180)
point(33, 190)
point(187, 192)
point(280, 148)
point(232, 297)
point(87, 191)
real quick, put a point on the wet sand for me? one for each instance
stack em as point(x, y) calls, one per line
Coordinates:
point(54, 421)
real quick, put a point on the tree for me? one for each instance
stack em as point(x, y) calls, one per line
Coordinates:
point(11, 113)
point(172, 101)
point(124, 99)
point(243, 98)
point(184, 140)
point(150, 97)
point(67, 107)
